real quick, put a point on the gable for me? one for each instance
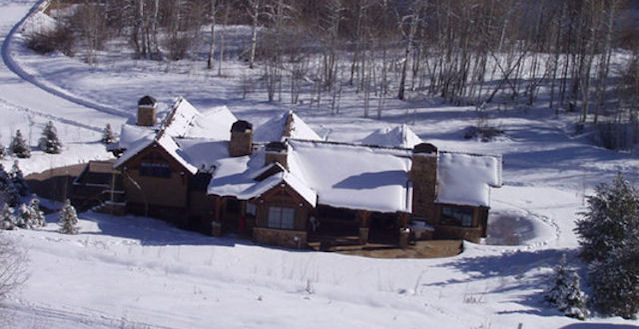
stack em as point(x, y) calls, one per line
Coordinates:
point(153, 153)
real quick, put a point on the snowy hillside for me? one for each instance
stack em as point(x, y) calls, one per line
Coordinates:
point(130, 272)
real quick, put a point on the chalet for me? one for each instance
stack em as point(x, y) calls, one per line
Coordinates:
point(282, 184)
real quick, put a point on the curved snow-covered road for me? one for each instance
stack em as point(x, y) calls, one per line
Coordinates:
point(11, 65)
point(27, 103)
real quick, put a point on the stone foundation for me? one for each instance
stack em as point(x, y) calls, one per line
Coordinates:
point(472, 234)
point(283, 238)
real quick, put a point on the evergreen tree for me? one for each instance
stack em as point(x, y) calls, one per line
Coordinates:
point(18, 180)
point(615, 282)
point(3, 150)
point(108, 136)
point(38, 215)
point(609, 237)
point(19, 147)
point(565, 293)
point(7, 219)
point(612, 211)
point(68, 219)
point(49, 141)
point(8, 192)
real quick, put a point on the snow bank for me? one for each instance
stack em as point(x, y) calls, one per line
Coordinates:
point(400, 136)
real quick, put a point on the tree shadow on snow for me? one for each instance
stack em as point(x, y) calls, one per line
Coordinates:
point(154, 232)
point(586, 325)
point(515, 268)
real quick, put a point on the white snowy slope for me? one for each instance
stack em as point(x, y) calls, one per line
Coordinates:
point(131, 272)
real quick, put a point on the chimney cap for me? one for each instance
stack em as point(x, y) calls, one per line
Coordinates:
point(147, 101)
point(424, 148)
point(241, 126)
point(279, 147)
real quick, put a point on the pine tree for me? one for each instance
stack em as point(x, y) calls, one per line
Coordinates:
point(3, 150)
point(8, 192)
point(108, 136)
point(612, 211)
point(18, 180)
point(609, 237)
point(68, 219)
point(19, 147)
point(49, 141)
point(38, 215)
point(565, 293)
point(7, 219)
point(615, 282)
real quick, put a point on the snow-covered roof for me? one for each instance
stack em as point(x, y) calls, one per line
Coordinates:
point(130, 134)
point(400, 136)
point(276, 129)
point(353, 176)
point(184, 120)
point(465, 179)
point(167, 143)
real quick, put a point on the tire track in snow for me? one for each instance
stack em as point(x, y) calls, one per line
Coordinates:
point(51, 117)
point(42, 314)
point(10, 63)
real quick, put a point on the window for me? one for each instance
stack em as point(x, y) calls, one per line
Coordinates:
point(251, 209)
point(457, 216)
point(281, 217)
point(155, 169)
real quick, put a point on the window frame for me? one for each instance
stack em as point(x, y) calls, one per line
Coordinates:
point(457, 216)
point(276, 217)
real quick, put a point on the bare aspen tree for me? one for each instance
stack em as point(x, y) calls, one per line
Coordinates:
point(212, 14)
point(414, 21)
point(253, 9)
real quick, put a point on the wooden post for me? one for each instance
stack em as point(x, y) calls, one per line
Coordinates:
point(216, 225)
point(364, 225)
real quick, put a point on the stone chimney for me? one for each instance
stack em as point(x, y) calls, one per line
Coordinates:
point(423, 174)
point(276, 152)
point(147, 107)
point(241, 139)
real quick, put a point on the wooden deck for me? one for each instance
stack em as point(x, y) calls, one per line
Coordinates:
point(350, 245)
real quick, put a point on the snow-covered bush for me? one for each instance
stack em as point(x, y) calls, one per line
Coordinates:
point(68, 219)
point(8, 192)
point(609, 237)
point(565, 294)
point(19, 146)
point(17, 177)
point(38, 215)
point(7, 219)
point(108, 136)
point(49, 141)
point(30, 216)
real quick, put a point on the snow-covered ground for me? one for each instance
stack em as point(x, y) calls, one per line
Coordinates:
point(141, 273)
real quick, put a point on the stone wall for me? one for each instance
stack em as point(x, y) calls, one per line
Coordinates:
point(146, 116)
point(241, 143)
point(423, 174)
point(283, 238)
point(472, 234)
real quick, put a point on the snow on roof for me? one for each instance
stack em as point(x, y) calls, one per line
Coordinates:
point(202, 153)
point(400, 136)
point(186, 121)
point(465, 179)
point(352, 176)
point(274, 180)
point(133, 149)
point(275, 129)
point(130, 134)
point(233, 176)
point(167, 143)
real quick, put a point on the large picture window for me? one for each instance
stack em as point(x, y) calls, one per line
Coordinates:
point(281, 217)
point(457, 216)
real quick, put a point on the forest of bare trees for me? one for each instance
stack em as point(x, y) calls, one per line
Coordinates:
point(573, 55)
